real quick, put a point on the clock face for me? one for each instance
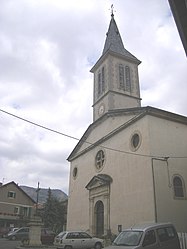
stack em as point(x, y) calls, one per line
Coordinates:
point(101, 109)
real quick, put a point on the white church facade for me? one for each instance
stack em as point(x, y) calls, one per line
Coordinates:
point(130, 166)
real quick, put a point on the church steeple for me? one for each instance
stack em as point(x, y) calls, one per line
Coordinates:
point(116, 83)
point(114, 42)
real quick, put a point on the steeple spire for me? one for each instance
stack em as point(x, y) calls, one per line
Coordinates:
point(113, 40)
point(116, 82)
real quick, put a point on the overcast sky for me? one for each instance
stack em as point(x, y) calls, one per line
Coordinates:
point(47, 48)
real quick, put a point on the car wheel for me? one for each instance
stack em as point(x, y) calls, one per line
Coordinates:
point(98, 245)
point(13, 238)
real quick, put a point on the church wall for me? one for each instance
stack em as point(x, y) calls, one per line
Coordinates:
point(104, 128)
point(78, 202)
point(132, 188)
point(168, 207)
point(169, 139)
point(131, 192)
point(116, 100)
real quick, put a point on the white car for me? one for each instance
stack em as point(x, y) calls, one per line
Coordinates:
point(77, 240)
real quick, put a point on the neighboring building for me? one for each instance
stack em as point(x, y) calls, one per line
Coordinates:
point(16, 207)
point(130, 166)
point(179, 10)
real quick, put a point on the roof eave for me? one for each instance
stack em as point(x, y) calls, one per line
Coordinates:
point(110, 52)
point(139, 111)
point(19, 188)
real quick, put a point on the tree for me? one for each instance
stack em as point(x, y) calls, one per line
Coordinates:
point(54, 215)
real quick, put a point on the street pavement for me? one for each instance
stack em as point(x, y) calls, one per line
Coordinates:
point(9, 244)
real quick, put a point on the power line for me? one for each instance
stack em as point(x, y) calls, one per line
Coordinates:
point(105, 147)
point(41, 126)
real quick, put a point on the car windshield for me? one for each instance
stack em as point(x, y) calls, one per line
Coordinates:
point(128, 238)
point(61, 235)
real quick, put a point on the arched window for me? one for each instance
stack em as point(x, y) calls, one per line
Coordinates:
point(178, 187)
point(124, 78)
point(121, 77)
point(128, 79)
point(99, 218)
point(101, 81)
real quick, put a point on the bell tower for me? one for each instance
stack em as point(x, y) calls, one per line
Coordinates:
point(116, 81)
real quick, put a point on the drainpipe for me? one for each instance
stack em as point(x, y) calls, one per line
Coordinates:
point(165, 159)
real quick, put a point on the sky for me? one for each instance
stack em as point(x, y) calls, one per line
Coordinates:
point(47, 48)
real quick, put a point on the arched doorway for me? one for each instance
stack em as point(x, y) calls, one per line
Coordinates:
point(99, 204)
point(99, 218)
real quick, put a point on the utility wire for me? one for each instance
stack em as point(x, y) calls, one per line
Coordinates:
point(105, 147)
point(41, 126)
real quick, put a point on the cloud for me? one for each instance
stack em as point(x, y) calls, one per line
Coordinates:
point(47, 50)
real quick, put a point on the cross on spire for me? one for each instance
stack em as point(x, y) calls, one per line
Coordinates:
point(112, 10)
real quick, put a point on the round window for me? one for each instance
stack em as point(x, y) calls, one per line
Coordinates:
point(99, 159)
point(135, 141)
point(75, 170)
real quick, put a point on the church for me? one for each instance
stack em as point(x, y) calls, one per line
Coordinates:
point(130, 166)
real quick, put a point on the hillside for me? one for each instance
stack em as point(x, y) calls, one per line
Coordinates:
point(43, 194)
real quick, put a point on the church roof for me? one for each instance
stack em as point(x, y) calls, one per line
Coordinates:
point(114, 42)
point(138, 112)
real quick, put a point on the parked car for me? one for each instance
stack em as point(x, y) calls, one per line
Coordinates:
point(77, 240)
point(11, 230)
point(3, 231)
point(149, 236)
point(47, 236)
point(19, 234)
point(14, 229)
